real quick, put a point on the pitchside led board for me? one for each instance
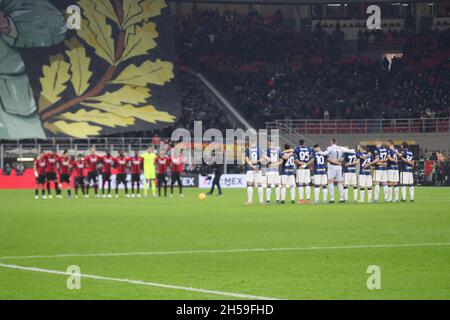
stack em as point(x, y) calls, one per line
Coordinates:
point(114, 74)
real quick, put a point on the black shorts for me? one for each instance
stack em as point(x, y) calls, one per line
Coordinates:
point(106, 176)
point(176, 176)
point(136, 177)
point(79, 181)
point(162, 178)
point(51, 176)
point(64, 178)
point(121, 178)
point(40, 179)
point(92, 176)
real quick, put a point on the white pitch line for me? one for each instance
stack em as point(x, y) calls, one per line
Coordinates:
point(243, 250)
point(139, 282)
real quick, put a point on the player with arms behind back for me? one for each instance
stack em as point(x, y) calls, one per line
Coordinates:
point(303, 160)
point(65, 172)
point(350, 163)
point(365, 175)
point(393, 173)
point(39, 173)
point(253, 177)
point(381, 177)
point(121, 164)
point(273, 172)
point(108, 162)
point(288, 170)
point(162, 163)
point(406, 175)
point(92, 161)
point(136, 170)
point(78, 170)
point(320, 175)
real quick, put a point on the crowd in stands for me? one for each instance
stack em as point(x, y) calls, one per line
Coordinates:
point(270, 71)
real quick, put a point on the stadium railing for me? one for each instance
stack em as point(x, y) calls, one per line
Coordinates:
point(363, 126)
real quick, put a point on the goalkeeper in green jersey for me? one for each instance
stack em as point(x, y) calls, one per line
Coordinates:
point(149, 170)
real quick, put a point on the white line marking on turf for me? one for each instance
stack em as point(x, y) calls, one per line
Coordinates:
point(139, 282)
point(243, 250)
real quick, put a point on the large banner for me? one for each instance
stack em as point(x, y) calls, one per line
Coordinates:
point(85, 68)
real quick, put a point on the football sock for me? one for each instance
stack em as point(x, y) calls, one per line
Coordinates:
point(377, 192)
point(268, 193)
point(261, 194)
point(301, 191)
point(346, 193)
point(331, 187)
point(362, 194)
point(386, 192)
point(316, 193)
point(341, 191)
point(325, 193)
point(277, 193)
point(355, 193)
point(293, 192)
point(369, 194)
point(390, 193)
point(249, 194)
point(308, 192)
point(411, 193)
point(396, 191)
point(283, 193)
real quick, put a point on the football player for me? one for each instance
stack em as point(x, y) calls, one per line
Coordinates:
point(406, 175)
point(393, 172)
point(365, 175)
point(381, 177)
point(350, 162)
point(288, 170)
point(253, 159)
point(304, 159)
point(320, 175)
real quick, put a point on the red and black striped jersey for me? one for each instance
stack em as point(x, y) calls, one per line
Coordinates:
point(121, 164)
point(108, 162)
point(40, 166)
point(65, 165)
point(52, 161)
point(78, 168)
point(136, 165)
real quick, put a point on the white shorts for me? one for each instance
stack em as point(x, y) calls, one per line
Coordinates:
point(380, 176)
point(320, 179)
point(254, 177)
point(365, 181)
point(335, 173)
point(303, 176)
point(288, 180)
point(273, 178)
point(350, 179)
point(393, 176)
point(406, 178)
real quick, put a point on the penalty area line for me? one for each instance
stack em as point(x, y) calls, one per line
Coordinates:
point(242, 250)
point(139, 282)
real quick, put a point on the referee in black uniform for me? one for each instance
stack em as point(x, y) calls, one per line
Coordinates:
point(217, 171)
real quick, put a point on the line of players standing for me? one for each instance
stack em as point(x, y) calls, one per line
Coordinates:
point(337, 165)
point(52, 168)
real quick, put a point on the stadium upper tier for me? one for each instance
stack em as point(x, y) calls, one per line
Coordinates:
point(271, 71)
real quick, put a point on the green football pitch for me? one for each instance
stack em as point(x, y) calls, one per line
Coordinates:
point(184, 248)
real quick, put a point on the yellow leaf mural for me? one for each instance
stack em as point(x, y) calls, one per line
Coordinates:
point(81, 130)
point(145, 113)
point(132, 13)
point(106, 8)
point(152, 8)
point(54, 81)
point(158, 73)
point(79, 66)
point(139, 40)
point(95, 116)
point(114, 96)
point(97, 32)
point(126, 94)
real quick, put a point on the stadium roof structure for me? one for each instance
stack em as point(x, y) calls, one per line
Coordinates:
point(292, 2)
